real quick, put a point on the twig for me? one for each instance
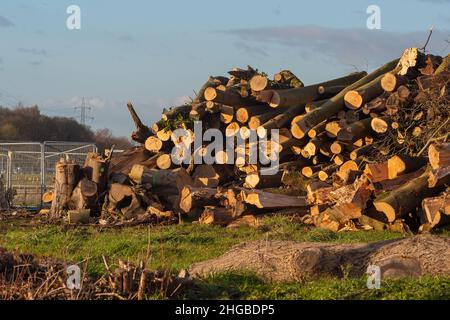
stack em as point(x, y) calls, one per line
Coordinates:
point(428, 40)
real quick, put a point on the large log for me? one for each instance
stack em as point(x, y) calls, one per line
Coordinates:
point(437, 210)
point(287, 261)
point(142, 132)
point(439, 155)
point(299, 96)
point(355, 99)
point(336, 103)
point(282, 119)
point(405, 199)
point(262, 199)
point(356, 131)
point(229, 97)
point(67, 175)
point(243, 114)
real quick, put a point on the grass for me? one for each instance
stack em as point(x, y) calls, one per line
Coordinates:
point(176, 247)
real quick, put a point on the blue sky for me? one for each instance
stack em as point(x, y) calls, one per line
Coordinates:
point(156, 53)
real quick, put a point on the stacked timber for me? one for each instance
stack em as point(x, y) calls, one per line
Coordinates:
point(365, 150)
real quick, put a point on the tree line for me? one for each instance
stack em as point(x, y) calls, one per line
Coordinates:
point(28, 124)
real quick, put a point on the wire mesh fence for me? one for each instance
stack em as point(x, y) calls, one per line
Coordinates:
point(29, 168)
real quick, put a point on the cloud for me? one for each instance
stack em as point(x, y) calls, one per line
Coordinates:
point(34, 51)
point(170, 102)
point(5, 22)
point(351, 46)
point(76, 101)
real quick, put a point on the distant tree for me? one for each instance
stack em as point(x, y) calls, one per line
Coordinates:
point(28, 124)
point(105, 139)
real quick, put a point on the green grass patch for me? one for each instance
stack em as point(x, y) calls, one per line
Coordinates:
point(178, 246)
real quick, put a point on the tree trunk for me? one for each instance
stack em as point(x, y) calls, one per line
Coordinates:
point(243, 114)
point(404, 199)
point(66, 178)
point(282, 119)
point(439, 155)
point(287, 261)
point(299, 96)
point(142, 132)
point(336, 103)
point(262, 199)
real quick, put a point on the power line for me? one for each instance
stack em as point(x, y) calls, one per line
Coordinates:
point(84, 110)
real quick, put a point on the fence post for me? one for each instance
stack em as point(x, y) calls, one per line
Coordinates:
point(42, 173)
point(9, 170)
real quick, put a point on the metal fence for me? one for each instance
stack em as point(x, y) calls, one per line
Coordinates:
point(29, 168)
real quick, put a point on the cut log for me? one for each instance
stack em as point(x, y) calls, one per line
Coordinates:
point(161, 180)
point(47, 197)
point(123, 162)
point(164, 161)
point(336, 103)
point(244, 114)
point(439, 177)
point(67, 174)
point(229, 97)
point(205, 176)
point(356, 131)
point(255, 179)
point(288, 78)
point(404, 199)
point(299, 96)
point(355, 99)
point(401, 164)
point(258, 82)
point(192, 197)
point(287, 261)
point(256, 121)
point(439, 155)
point(380, 125)
point(263, 199)
point(437, 210)
point(216, 216)
point(391, 81)
point(226, 114)
point(410, 60)
point(377, 172)
point(284, 118)
point(153, 144)
point(142, 132)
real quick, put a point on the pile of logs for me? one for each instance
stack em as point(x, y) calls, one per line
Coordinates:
point(363, 150)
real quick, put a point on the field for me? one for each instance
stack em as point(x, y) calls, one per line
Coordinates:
point(176, 247)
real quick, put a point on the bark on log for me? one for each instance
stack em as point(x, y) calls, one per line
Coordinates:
point(405, 199)
point(355, 99)
point(437, 210)
point(336, 103)
point(262, 199)
point(299, 96)
point(244, 114)
point(66, 178)
point(142, 132)
point(439, 155)
point(285, 261)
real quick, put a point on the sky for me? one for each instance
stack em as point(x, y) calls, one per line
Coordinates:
point(157, 53)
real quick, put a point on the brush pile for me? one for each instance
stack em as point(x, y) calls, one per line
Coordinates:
point(361, 151)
